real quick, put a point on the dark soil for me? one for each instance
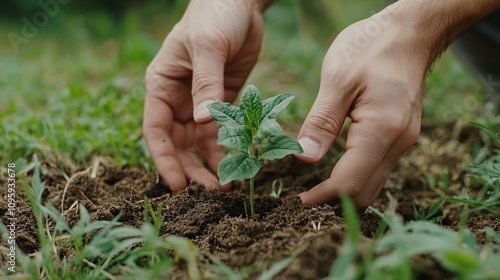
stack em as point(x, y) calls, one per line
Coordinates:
point(216, 221)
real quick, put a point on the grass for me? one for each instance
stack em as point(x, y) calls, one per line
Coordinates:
point(456, 251)
point(390, 255)
point(112, 250)
point(76, 90)
point(485, 169)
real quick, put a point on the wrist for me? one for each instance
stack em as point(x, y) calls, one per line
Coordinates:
point(432, 25)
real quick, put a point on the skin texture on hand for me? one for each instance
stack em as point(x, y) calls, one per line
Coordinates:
point(374, 73)
point(205, 58)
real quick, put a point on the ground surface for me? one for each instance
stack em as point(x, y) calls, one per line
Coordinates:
point(216, 221)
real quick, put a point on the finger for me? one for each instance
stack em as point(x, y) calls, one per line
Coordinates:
point(206, 144)
point(206, 139)
point(376, 182)
point(195, 170)
point(368, 141)
point(208, 80)
point(324, 122)
point(214, 155)
point(157, 125)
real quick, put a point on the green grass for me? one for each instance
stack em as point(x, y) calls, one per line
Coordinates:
point(486, 170)
point(111, 252)
point(458, 252)
point(76, 90)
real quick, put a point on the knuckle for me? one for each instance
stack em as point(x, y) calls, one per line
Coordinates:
point(412, 136)
point(362, 203)
point(152, 81)
point(403, 129)
point(323, 121)
point(396, 125)
point(148, 76)
point(150, 71)
point(328, 71)
point(203, 80)
point(340, 79)
point(151, 75)
point(208, 39)
point(352, 189)
point(199, 38)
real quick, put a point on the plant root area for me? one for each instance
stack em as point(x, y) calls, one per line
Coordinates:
point(216, 221)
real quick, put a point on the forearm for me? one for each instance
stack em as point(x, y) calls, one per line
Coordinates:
point(437, 22)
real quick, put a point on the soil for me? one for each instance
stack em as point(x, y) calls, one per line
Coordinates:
point(216, 221)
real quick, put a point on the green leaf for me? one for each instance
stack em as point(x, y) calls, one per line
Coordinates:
point(278, 147)
point(226, 114)
point(351, 219)
point(235, 137)
point(277, 267)
point(470, 240)
point(436, 207)
point(251, 106)
point(458, 260)
point(343, 265)
point(237, 166)
point(187, 250)
point(488, 129)
point(272, 106)
point(269, 127)
point(221, 269)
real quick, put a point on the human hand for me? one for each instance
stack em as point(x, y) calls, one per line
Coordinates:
point(205, 58)
point(373, 73)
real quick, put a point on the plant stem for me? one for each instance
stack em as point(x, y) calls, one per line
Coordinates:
point(252, 187)
point(251, 152)
point(245, 206)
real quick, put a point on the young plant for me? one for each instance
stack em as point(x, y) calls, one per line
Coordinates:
point(252, 134)
point(276, 191)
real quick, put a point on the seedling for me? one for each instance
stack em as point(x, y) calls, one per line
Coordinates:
point(252, 134)
point(276, 191)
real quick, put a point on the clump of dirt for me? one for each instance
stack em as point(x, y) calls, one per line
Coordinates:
point(217, 223)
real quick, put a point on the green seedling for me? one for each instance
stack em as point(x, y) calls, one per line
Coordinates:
point(276, 191)
point(252, 135)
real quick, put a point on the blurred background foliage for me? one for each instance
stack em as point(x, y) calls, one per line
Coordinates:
point(77, 85)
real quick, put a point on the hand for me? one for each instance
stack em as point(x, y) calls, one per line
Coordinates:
point(206, 58)
point(373, 73)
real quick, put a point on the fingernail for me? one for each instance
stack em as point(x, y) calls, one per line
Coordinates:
point(202, 109)
point(311, 148)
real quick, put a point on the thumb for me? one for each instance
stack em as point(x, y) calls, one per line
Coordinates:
point(323, 123)
point(208, 82)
